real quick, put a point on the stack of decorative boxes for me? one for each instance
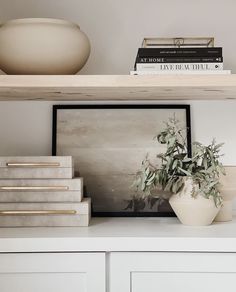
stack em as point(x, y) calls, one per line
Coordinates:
point(41, 191)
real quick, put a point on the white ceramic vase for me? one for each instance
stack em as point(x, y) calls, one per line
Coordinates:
point(42, 46)
point(194, 211)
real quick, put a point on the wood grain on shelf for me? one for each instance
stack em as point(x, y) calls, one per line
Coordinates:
point(117, 87)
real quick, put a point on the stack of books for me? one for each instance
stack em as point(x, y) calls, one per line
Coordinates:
point(183, 59)
point(41, 191)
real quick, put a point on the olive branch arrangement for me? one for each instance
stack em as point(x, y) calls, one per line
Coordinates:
point(155, 184)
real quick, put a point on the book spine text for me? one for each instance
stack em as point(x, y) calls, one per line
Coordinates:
point(178, 66)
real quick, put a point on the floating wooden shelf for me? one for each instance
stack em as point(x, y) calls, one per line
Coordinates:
point(117, 87)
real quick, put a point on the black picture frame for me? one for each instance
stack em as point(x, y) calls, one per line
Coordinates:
point(184, 107)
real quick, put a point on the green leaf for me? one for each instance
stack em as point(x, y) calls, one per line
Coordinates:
point(186, 160)
point(218, 146)
point(175, 164)
point(185, 171)
point(180, 156)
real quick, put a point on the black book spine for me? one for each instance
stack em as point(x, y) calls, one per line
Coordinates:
point(180, 52)
point(179, 60)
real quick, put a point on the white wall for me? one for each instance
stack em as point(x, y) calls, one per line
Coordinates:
point(116, 29)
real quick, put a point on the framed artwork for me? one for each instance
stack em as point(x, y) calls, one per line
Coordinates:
point(108, 144)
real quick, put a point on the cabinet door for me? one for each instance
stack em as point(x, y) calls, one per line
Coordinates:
point(52, 272)
point(168, 272)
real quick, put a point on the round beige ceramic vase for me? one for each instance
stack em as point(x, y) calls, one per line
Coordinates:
point(42, 46)
point(194, 211)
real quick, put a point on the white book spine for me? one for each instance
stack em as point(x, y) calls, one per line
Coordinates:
point(182, 72)
point(178, 66)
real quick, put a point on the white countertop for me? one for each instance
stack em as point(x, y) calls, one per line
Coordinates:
point(122, 234)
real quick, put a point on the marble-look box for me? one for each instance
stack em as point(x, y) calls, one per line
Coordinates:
point(41, 190)
point(36, 167)
point(45, 215)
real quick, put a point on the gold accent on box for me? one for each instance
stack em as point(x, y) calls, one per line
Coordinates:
point(33, 164)
point(34, 188)
point(37, 212)
point(178, 42)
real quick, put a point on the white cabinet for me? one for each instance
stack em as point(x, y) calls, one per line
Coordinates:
point(125, 271)
point(119, 255)
point(168, 272)
point(52, 272)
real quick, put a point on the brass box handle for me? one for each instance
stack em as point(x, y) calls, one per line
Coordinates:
point(34, 188)
point(37, 212)
point(33, 164)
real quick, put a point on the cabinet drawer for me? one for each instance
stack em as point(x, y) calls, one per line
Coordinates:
point(61, 272)
point(168, 272)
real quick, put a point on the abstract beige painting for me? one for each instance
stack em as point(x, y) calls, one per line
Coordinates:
point(108, 144)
